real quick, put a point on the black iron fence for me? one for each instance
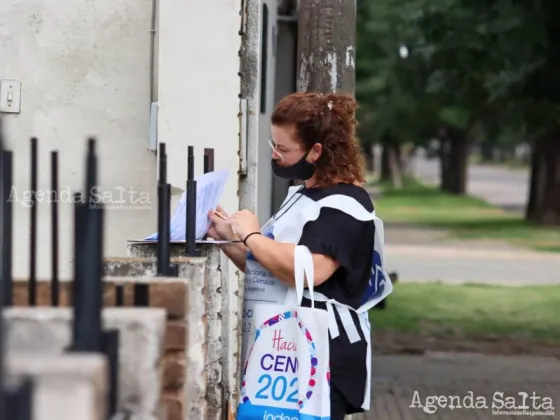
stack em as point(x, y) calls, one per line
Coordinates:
point(88, 334)
point(15, 400)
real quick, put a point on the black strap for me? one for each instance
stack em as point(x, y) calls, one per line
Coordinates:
point(249, 235)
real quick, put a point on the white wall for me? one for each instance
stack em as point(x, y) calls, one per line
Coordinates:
point(84, 68)
point(198, 87)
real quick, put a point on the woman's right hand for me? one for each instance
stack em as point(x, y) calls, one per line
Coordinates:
point(219, 228)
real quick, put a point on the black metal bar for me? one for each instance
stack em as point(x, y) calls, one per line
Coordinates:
point(111, 350)
point(190, 222)
point(191, 218)
point(19, 401)
point(173, 270)
point(7, 231)
point(164, 197)
point(88, 297)
point(162, 163)
point(3, 279)
point(91, 172)
point(54, 230)
point(142, 294)
point(209, 156)
point(78, 197)
point(162, 180)
point(33, 233)
point(95, 268)
point(119, 295)
point(79, 229)
point(190, 163)
point(80, 215)
point(164, 205)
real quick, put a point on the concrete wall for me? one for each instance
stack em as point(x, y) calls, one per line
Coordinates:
point(85, 70)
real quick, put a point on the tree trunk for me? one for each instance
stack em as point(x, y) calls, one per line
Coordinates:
point(393, 157)
point(370, 157)
point(405, 159)
point(534, 184)
point(487, 151)
point(385, 172)
point(454, 154)
point(543, 206)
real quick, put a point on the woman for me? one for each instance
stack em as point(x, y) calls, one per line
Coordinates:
point(313, 140)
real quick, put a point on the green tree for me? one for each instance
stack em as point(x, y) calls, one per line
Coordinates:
point(474, 69)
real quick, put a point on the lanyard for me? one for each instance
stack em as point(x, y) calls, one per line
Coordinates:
point(275, 217)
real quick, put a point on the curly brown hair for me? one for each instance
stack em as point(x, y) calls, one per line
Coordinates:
point(330, 120)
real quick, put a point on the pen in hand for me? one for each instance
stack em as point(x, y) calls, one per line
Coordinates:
point(223, 217)
point(220, 215)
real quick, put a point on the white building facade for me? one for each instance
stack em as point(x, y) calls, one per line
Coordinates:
point(131, 74)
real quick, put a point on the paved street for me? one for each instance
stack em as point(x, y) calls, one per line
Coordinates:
point(445, 375)
point(507, 188)
point(475, 264)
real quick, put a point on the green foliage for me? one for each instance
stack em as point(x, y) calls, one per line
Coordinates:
point(495, 62)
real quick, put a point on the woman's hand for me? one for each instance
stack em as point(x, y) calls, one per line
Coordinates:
point(220, 229)
point(244, 222)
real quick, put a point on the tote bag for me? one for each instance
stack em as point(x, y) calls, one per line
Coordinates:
point(379, 285)
point(286, 374)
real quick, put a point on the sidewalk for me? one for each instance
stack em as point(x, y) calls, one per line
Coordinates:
point(444, 375)
point(422, 254)
point(471, 262)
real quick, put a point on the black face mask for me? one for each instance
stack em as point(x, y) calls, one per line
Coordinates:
point(302, 170)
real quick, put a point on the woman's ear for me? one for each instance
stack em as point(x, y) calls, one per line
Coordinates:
point(315, 152)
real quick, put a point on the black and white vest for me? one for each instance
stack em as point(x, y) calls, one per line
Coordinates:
point(262, 287)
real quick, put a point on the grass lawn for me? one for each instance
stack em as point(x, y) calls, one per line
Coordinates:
point(464, 216)
point(473, 311)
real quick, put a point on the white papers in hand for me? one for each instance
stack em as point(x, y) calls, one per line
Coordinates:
point(209, 189)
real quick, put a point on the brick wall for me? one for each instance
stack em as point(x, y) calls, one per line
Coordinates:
point(171, 295)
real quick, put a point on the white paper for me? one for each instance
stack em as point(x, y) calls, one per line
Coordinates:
point(209, 189)
point(217, 241)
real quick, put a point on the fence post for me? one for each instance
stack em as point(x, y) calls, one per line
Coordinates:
point(15, 404)
point(190, 223)
point(88, 334)
point(33, 232)
point(164, 197)
point(4, 278)
point(208, 160)
point(7, 233)
point(55, 289)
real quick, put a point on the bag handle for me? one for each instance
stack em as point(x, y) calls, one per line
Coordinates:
point(304, 269)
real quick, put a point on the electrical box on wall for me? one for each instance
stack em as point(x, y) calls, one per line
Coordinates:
point(10, 96)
